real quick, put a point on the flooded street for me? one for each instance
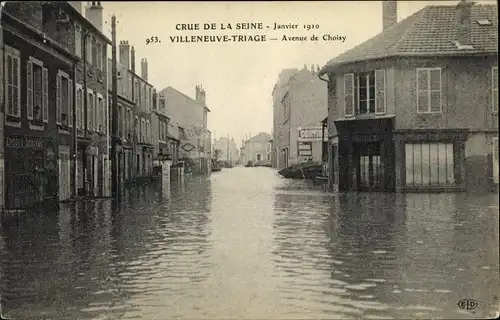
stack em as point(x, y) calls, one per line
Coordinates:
point(245, 243)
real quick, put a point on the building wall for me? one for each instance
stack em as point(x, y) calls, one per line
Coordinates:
point(466, 104)
point(190, 115)
point(280, 132)
point(466, 95)
point(304, 104)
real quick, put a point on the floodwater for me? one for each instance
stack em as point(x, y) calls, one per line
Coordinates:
point(245, 243)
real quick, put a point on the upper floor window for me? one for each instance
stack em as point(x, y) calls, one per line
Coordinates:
point(364, 93)
point(90, 110)
point(88, 49)
point(101, 112)
point(37, 101)
point(95, 57)
point(80, 117)
point(98, 63)
point(64, 99)
point(13, 82)
point(78, 41)
point(429, 90)
point(494, 89)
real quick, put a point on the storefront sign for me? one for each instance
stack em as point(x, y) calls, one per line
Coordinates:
point(312, 134)
point(22, 142)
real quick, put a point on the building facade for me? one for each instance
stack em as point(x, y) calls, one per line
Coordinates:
point(279, 90)
point(412, 113)
point(256, 149)
point(43, 65)
point(303, 104)
point(190, 117)
point(228, 150)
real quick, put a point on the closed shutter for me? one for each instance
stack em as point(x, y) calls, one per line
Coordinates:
point(380, 89)
point(349, 95)
point(70, 103)
point(29, 89)
point(58, 99)
point(45, 94)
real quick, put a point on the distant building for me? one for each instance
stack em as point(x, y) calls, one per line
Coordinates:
point(228, 150)
point(409, 112)
point(279, 90)
point(256, 148)
point(190, 116)
point(299, 103)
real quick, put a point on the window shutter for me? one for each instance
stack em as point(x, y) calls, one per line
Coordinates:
point(422, 90)
point(17, 86)
point(58, 99)
point(70, 103)
point(9, 84)
point(29, 89)
point(494, 89)
point(380, 89)
point(349, 95)
point(96, 115)
point(45, 94)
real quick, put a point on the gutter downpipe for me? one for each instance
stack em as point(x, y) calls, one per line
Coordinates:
point(330, 182)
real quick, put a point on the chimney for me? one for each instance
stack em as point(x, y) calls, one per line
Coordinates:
point(125, 54)
point(144, 69)
point(77, 5)
point(464, 9)
point(132, 59)
point(94, 14)
point(389, 13)
point(200, 95)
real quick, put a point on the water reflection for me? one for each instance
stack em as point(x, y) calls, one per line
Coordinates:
point(245, 243)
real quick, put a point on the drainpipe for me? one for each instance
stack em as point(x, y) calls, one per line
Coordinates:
point(330, 183)
point(74, 137)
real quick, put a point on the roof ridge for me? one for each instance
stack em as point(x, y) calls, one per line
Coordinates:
point(418, 16)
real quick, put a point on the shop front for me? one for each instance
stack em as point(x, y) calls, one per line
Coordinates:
point(31, 171)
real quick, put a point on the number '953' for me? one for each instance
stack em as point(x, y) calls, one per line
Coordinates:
point(152, 40)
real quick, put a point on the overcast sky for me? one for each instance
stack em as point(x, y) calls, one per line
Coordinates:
point(239, 77)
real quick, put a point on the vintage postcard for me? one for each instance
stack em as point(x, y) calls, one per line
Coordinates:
point(249, 160)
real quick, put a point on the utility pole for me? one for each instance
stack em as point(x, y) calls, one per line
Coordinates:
point(114, 111)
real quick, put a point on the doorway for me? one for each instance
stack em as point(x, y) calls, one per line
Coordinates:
point(369, 171)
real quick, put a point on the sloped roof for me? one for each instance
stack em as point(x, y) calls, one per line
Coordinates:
point(175, 91)
point(431, 31)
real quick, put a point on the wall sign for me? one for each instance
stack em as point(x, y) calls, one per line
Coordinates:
point(312, 134)
point(22, 142)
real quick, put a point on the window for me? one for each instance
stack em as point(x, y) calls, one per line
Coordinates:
point(78, 41)
point(495, 159)
point(429, 90)
point(94, 52)
point(429, 164)
point(88, 49)
point(98, 56)
point(120, 120)
point(364, 93)
point(90, 109)
point(494, 89)
point(37, 90)
point(80, 116)
point(64, 99)
point(101, 114)
point(13, 83)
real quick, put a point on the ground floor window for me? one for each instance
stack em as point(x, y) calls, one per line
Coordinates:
point(429, 164)
point(495, 159)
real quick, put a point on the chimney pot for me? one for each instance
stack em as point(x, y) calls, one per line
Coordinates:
point(132, 59)
point(389, 13)
point(94, 15)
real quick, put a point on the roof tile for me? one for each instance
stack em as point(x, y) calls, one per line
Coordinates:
point(429, 31)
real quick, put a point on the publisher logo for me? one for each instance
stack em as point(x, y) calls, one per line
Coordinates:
point(467, 304)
